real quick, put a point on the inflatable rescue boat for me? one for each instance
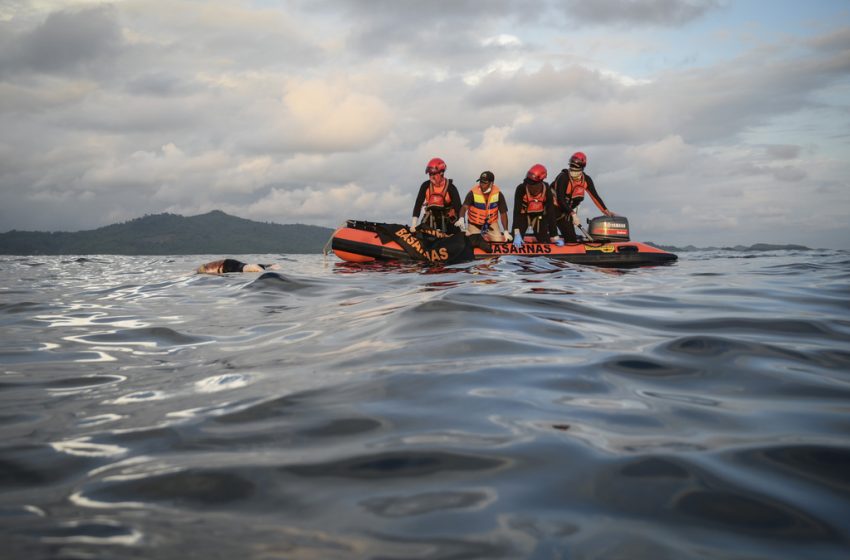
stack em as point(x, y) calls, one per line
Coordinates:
point(606, 244)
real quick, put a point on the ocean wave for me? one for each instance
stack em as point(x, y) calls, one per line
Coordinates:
point(513, 408)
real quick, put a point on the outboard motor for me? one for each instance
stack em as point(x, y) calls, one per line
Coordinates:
point(607, 228)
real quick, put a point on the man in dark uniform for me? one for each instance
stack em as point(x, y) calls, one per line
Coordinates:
point(570, 187)
point(534, 207)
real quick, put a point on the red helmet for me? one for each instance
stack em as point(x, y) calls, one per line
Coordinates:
point(578, 160)
point(536, 174)
point(436, 165)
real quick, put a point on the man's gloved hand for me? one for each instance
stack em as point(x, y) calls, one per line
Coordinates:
point(413, 221)
point(574, 218)
point(517, 239)
point(461, 223)
point(508, 237)
point(558, 241)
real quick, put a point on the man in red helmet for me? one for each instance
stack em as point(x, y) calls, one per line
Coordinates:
point(570, 187)
point(484, 207)
point(533, 207)
point(440, 198)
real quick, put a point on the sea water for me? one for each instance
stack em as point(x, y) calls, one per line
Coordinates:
point(514, 408)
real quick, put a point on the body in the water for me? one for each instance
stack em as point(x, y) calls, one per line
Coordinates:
point(232, 265)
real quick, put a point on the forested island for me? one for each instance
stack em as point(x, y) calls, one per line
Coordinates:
point(214, 233)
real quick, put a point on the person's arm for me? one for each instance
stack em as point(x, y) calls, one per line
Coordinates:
point(549, 212)
point(519, 226)
point(574, 203)
point(561, 191)
point(594, 196)
point(520, 192)
point(455, 196)
point(463, 209)
point(467, 202)
point(503, 211)
point(420, 199)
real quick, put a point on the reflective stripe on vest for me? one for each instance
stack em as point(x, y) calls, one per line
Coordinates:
point(485, 208)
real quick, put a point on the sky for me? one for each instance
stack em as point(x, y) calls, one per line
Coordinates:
point(705, 122)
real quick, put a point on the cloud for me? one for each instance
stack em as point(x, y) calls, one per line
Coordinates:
point(161, 84)
point(702, 105)
point(838, 40)
point(502, 40)
point(310, 204)
point(509, 160)
point(324, 110)
point(639, 12)
point(783, 151)
point(661, 157)
point(435, 36)
point(66, 42)
point(42, 94)
point(329, 116)
point(545, 85)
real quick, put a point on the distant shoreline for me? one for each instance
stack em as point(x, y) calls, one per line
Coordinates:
point(744, 248)
point(213, 233)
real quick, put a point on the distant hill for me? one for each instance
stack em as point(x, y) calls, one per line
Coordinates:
point(213, 233)
point(755, 247)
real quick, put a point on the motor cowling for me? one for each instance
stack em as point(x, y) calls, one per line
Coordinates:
point(608, 228)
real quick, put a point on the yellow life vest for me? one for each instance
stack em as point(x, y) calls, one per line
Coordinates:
point(485, 207)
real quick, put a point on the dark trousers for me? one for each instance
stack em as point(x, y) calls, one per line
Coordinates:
point(564, 223)
point(438, 219)
point(538, 225)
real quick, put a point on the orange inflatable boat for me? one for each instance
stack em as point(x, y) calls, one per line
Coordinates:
point(363, 242)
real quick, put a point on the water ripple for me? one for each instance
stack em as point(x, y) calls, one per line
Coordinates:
point(508, 408)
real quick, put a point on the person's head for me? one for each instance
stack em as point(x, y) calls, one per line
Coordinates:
point(435, 168)
point(215, 267)
point(486, 180)
point(536, 173)
point(578, 161)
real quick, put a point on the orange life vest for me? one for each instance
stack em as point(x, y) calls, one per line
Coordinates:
point(534, 204)
point(485, 207)
point(575, 189)
point(439, 198)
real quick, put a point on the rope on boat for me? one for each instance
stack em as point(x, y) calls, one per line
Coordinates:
point(326, 249)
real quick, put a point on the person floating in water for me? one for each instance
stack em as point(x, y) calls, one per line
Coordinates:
point(232, 265)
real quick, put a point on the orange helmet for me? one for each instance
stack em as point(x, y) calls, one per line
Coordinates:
point(436, 165)
point(578, 160)
point(536, 174)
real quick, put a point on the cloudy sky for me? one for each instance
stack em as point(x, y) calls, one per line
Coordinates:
point(705, 121)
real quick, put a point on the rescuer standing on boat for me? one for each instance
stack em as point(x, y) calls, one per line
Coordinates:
point(570, 186)
point(484, 206)
point(440, 198)
point(534, 207)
